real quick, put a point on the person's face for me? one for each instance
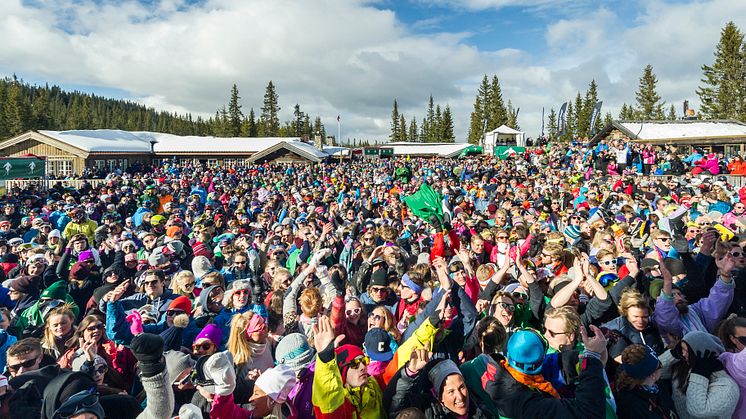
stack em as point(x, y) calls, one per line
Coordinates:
point(240, 298)
point(18, 365)
point(203, 346)
point(94, 331)
point(357, 372)
point(504, 309)
point(738, 338)
point(663, 243)
point(546, 258)
point(188, 283)
point(353, 309)
point(692, 232)
point(80, 245)
point(5, 227)
point(153, 286)
point(608, 264)
point(4, 322)
point(216, 300)
point(639, 318)
point(478, 245)
point(35, 268)
point(738, 257)
point(240, 263)
point(99, 373)
point(459, 277)
point(680, 302)
point(376, 319)
point(15, 295)
point(378, 293)
point(263, 404)
point(556, 335)
point(60, 325)
point(575, 220)
point(149, 242)
point(405, 292)
point(455, 395)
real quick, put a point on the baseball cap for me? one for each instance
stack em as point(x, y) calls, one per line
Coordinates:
point(377, 345)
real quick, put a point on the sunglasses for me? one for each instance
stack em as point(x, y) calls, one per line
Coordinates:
point(25, 364)
point(355, 363)
point(189, 285)
point(704, 223)
point(736, 254)
point(101, 369)
point(205, 346)
point(502, 237)
point(376, 317)
point(607, 262)
point(741, 339)
point(239, 262)
point(70, 408)
point(150, 283)
point(664, 239)
point(354, 311)
point(94, 327)
point(520, 295)
point(506, 306)
point(241, 292)
point(174, 312)
point(379, 290)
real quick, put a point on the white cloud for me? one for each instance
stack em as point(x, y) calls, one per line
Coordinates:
point(347, 57)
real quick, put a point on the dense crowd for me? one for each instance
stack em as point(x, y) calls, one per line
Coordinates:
point(565, 282)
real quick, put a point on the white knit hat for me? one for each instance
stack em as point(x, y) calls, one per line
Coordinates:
point(277, 382)
point(201, 266)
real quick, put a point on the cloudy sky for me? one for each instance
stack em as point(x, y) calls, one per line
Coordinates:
point(354, 57)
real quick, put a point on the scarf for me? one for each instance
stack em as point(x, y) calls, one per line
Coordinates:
point(534, 382)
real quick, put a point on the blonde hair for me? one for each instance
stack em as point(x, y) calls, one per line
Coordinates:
point(568, 315)
point(47, 339)
point(238, 342)
point(310, 301)
point(280, 275)
point(389, 324)
point(632, 298)
point(178, 279)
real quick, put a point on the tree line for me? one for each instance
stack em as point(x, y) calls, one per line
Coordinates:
point(25, 107)
point(436, 126)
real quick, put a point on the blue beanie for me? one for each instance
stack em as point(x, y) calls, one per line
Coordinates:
point(526, 351)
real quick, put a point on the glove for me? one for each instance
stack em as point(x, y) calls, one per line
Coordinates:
point(148, 350)
point(676, 351)
point(320, 255)
point(219, 368)
point(706, 363)
point(338, 282)
point(135, 321)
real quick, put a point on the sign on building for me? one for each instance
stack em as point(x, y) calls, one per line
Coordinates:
point(21, 168)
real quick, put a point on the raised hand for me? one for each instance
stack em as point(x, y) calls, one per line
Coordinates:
point(418, 360)
point(597, 343)
point(323, 334)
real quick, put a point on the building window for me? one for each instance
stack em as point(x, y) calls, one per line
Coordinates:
point(112, 164)
point(212, 162)
point(123, 164)
point(62, 167)
point(229, 162)
point(99, 164)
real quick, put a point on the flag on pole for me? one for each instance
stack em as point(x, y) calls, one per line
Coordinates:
point(562, 119)
point(594, 116)
point(337, 118)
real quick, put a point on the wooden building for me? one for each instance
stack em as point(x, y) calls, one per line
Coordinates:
point(69, 152)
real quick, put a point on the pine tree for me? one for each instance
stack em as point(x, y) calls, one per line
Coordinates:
point(41, 116)
point(297, 125)
point(402, 128)
point(437, 127)
point(582, 117)
point(513, 116)
point(395, 135)
point(671, 113)
point(497, 114)
point(413, 135)
point(551, 126)
point(608, 119)
point(318, 128)
point(448, 135)
point(476, 123)
point(649, 103)
point(269, 121)
point(722, 94)
point(235, 116)
point(429, 126)
point(16, 111)
point(627, 113)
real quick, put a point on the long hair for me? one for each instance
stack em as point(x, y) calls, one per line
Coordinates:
point(728, 328)
point(87, 321)
point(47, 339)
point(238, 342)
point(632, 355)
point(389, 323)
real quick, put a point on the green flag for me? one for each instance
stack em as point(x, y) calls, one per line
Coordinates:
point(425, 203)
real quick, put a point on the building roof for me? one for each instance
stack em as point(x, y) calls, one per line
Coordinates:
point(504, 129)
point(681, 132)
point(300, 148)
point(102, 140)
point(448, 150)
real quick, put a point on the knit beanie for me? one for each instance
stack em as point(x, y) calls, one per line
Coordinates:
point(572, 232)
point(176, 363)
point(173, 231)
point(439, 372)
point(201, 266)
point(26, 284)
point(526, 351)
point(183, 303)
point(240, 284)
point(85, 255)
point(277, 382)
point(294, 351)
point(211, 332)
point(200, 249)
point(56, 291)
point(345, 355)
point(699, 342)
point(80, 271)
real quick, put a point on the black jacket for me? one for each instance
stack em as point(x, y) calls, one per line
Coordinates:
point(640, 404)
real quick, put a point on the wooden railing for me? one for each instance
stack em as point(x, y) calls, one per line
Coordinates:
point(48, 183)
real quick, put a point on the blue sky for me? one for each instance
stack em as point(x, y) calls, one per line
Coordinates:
point(354, 57)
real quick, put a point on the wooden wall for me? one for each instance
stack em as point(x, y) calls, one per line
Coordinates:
point(46, 150)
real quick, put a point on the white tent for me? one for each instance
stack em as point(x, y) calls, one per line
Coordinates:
point(503, 135)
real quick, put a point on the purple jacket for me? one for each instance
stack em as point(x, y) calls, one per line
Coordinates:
point(735, 364)
point(300, 396)
point(703, 315)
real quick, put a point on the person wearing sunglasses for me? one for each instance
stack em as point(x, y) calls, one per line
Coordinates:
point(237, 297)
point(378, 292)
point(207, 341)
point(732, 333)
point(349, 319)
point(662, 244)
point(22, 357)
point(153, 291)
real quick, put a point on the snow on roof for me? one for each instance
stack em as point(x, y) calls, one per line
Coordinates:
point(336, 151)
point(690, 129)
point(102, 140)
point(139, 142)
point(440, 149)
point(308, 148)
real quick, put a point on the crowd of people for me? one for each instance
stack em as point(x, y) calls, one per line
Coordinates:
point(565, 282)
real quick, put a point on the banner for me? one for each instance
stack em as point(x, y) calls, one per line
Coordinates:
point(562, 119)
point(594, 116)
point(503, 152)
point(21, 168)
